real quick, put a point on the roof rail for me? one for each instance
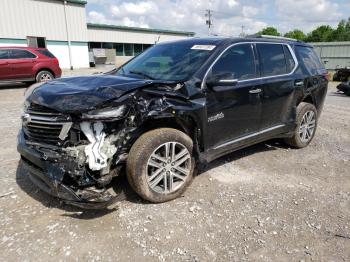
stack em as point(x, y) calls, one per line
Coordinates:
point(273, 37)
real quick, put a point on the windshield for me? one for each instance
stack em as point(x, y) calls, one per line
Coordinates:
point(172, 62)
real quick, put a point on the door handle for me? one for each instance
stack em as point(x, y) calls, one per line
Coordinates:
point(255, 91)
point(299, 83)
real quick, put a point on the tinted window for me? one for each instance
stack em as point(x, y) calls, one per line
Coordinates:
point(129, 49)
point(137, 49)
point(107, 45)
point(46, 53)
point(3, 54)
point(309, 59)
point(119, 49)
point(236, 63)
point(18, 54)
point(289, 59)
point(272, 59)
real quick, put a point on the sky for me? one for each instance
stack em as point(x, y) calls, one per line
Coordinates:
point(228, 16)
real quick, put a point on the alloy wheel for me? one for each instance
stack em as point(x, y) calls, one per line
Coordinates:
point(168, 167)
point(45, 77)
point(307, 126)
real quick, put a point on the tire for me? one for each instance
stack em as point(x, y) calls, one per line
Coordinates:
point(335, 77)
point(299, 139)
point(44, 76)
point(143, 171)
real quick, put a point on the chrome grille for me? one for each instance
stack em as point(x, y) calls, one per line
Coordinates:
point(46, 125)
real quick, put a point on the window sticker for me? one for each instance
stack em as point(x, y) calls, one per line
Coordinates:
point(203, 47)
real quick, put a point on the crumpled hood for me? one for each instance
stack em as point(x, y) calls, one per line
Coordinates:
point(78, 94)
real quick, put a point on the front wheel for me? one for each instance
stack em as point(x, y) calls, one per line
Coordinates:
point(306, 126)
point(160, 164)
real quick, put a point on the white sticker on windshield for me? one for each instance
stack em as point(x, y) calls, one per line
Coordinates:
point(203, 47)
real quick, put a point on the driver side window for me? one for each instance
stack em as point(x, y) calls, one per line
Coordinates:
point(236, 63)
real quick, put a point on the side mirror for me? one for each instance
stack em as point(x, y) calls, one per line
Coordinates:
point(221, 80)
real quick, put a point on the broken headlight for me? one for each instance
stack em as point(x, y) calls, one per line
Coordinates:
point(115, 112)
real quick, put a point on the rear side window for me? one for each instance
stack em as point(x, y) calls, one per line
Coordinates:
point(272, 59)
point(309, 59)
point(237, 63)
point(4, 54)
point(46, 53)
point(19, 54)
point(289, 59)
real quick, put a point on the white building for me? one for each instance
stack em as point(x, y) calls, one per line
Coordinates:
point(60, 26)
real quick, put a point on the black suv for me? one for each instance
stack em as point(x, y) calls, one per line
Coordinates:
point(174, 106)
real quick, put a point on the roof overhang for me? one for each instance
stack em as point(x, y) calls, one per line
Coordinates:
point(139, 29)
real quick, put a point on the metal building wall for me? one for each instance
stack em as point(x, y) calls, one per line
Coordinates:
point(124, 36)
point(42, 18)
point(334, 54)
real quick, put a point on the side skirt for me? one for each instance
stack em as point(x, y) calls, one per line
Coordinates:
point(245, 141)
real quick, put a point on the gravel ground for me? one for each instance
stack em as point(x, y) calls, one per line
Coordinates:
point(267, 202)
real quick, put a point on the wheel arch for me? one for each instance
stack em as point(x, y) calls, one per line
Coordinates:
point(308, 99)
point(44, 69)
point(185, 124)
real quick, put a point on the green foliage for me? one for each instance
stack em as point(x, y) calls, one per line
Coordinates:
point(323, 33)
point(296, 34)
point(269, 31)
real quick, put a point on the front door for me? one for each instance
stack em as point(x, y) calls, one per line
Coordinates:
point(233, 111)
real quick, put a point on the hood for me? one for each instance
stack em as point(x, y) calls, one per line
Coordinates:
point(78, 94)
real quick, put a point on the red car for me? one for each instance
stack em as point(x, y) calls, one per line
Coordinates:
point(26, 64)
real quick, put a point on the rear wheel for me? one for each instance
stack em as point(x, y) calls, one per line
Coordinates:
point(44, 76)
point(306, 126)
point(160, 164)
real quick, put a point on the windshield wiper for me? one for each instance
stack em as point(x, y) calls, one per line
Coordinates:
point(141, 74)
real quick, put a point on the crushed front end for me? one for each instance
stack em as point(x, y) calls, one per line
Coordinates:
point(72, 157)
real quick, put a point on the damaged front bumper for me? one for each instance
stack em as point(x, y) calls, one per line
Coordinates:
point(47, 166)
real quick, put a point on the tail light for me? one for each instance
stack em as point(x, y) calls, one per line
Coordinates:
point(327, 76)
point(56, 61)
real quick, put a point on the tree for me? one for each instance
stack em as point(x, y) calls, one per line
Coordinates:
point(322, 33)
point(296, 34)
point(269, 31)
point(342, 33)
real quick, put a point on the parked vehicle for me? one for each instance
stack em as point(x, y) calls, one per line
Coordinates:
point(344, 87)
point(26, 64)
point(170, 108)
point(342, 74)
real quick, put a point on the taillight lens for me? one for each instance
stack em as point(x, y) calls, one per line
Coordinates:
point(326, 75)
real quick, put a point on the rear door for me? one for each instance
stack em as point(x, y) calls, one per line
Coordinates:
point(5, 70)
point(277, 64)
point(21, 62)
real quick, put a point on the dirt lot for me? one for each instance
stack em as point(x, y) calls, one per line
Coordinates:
point(266, 203)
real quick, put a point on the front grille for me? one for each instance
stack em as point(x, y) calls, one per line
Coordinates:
point(46, 125)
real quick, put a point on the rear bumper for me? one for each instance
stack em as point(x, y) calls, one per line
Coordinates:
point(51, 183)
point(58, 72)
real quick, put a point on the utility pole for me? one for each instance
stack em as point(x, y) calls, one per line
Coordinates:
point(242, 33)
point(209, 21)
point(67, 32)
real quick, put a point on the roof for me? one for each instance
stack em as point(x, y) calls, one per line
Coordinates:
point(347, 43)
point(80, 2)
point(139, 29)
